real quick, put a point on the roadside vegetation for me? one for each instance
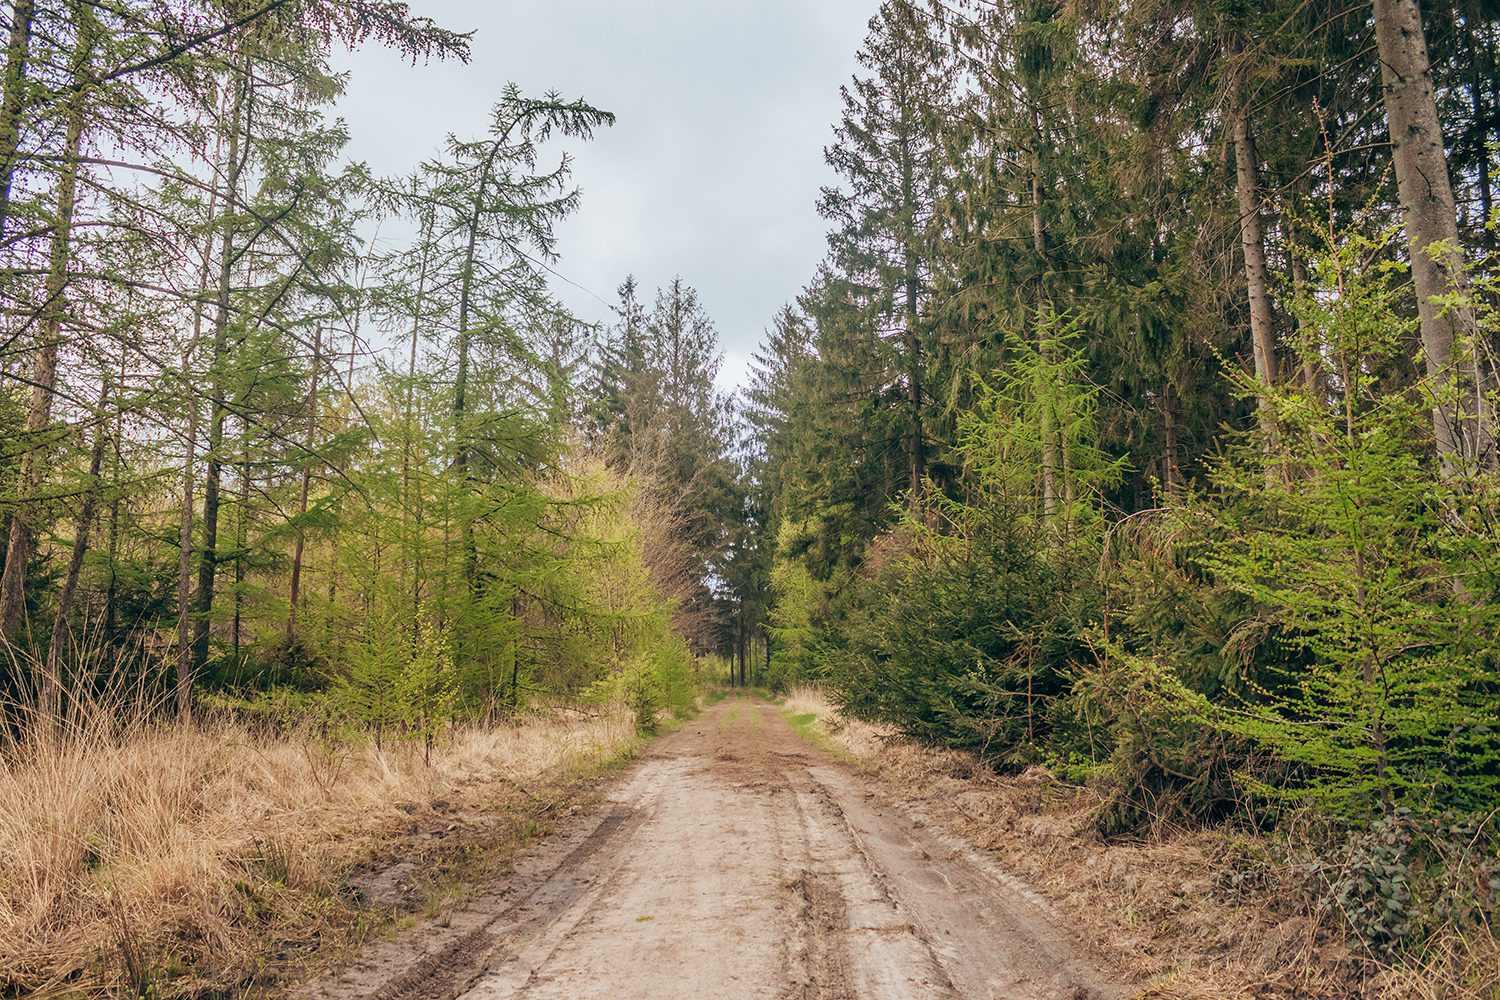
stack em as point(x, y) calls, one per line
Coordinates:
point(1137, 440)
point(1192, 912)
point(149, 860)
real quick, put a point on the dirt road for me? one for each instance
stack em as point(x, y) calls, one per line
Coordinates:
point(736, 860)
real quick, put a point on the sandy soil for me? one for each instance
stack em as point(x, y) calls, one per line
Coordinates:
point(736, 860)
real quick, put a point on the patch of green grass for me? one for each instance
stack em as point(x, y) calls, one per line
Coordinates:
point(808, 726)
point(443, 894)
point(720, 692)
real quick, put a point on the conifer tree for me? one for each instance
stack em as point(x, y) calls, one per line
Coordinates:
point(888, 158)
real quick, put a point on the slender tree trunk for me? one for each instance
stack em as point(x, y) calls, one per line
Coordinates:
point(185, 553)
point(22, 539)
point(203, 598)
point(1483, 101)
point(112, 543)
point(1311, 348)
point(52, 686)
point(916, 458)
point(916, 452)
point(1051, 447)
point(189, 474)
point(1462, 421)
point(1171, 468)
point(1483, 104)
point(1038, 225)
point(515, 663)
point(411, 520)
point(13, 104)
point(1257, 274)
point(461, 386)
point(911, 287)
point(241, 508)
point(301, 541)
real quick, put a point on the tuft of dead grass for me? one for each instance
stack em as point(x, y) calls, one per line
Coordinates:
point(1190, 915)
point(142, 856)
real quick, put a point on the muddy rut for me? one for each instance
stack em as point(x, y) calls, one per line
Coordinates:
point(735, 860)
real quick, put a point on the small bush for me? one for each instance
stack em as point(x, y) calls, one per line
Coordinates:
point(1406, 877)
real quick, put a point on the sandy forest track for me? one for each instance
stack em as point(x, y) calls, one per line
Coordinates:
point(734, 860)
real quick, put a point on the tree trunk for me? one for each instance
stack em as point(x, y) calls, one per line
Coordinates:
point(203, 599)
point(1462, 422)
point(52, 686)
point(112, 543)
point(411, 519)
point(13, 105)
point(301, 542)
point(242, 503)
point(1484, 120)
point(185, 526)
point(1171, 467)
point(1051, 457)
point(1311, 348)
point(916, 460)
point(22, 538)
point(461, 386)
point(185, 555)
point(911, 284)
point(1257, 275)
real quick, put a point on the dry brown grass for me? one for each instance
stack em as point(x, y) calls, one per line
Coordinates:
point(1193, 914)
point(184, 860)
point(1454, 967)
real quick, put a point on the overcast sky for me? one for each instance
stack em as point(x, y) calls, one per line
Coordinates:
point(713, 168)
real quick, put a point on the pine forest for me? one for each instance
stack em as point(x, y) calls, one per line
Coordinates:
point(1121, 490)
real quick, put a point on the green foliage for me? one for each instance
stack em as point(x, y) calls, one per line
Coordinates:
point(1139, 735)
point(400, 680)
point(426, 686)
point(1032, 439)
point(677, 677)
point(1410, 875)
point(964, 641)
point(1379, 571)
point(661, 677)
point(791, 621)
point(971, 627)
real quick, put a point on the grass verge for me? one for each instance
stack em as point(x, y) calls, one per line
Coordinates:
point(815, 720)
point(1191, 915)
point(146, 859)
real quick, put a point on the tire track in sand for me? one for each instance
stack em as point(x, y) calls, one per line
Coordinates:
point(734, 860)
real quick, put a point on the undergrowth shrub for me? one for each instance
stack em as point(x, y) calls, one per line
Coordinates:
point(1405, 878)
point(971, 631)
point(1378, 569)
point(963, 647)
point(399, 680)
point(1155, 760)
